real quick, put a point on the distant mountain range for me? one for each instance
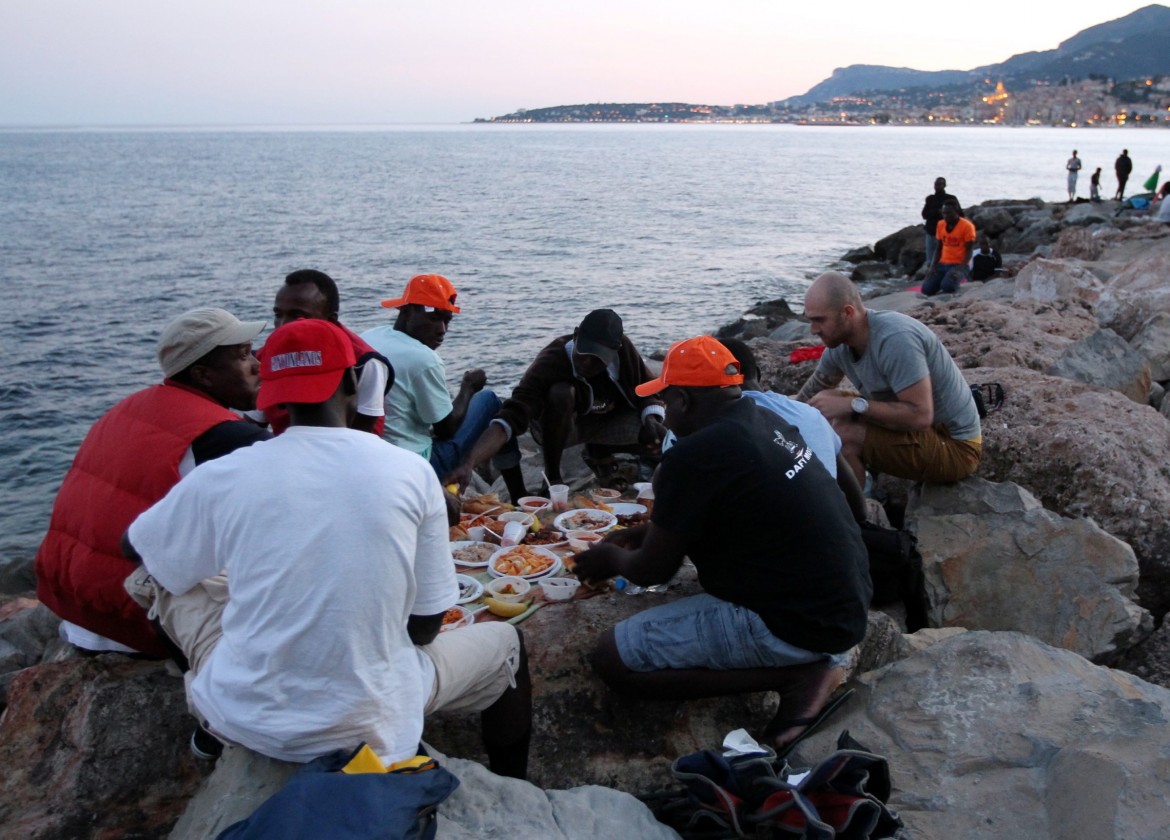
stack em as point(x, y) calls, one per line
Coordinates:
point(1132, 47)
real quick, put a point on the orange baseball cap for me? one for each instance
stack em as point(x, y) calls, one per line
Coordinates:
point(432, 291)
point(700, 362)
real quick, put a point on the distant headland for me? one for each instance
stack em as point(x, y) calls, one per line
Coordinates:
point(1116, 73)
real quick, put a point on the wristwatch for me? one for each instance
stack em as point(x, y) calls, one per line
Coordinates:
point(860, 405)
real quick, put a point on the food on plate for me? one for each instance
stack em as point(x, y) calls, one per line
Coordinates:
point(474, 554)
point(454, 617)
point(457, 533)
point(495, 526)
point(545, 536)
point(585, 503)
point(505, 609)
point(468, 587)
point(604, 495)
point(508, 588)
point(485, 503)
point(584, 520)
point(523, 560)
point(633, 519)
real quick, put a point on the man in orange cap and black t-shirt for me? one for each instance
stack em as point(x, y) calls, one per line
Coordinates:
point(782, 604)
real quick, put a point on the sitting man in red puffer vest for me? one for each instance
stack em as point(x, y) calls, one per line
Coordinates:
point(129, 460)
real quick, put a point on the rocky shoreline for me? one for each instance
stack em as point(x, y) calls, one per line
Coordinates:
point(1047, 578)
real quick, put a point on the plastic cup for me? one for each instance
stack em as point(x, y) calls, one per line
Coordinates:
point(559, 494)
point(513, 533)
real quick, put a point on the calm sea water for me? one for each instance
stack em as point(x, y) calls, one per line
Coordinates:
point(105, 235)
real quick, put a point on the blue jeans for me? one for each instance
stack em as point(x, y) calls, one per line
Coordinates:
point(446, 455)
point(946, 277)
point(703, 631)
point(931, 247)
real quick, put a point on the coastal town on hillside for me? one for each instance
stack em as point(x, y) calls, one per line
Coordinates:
point(1094, 101)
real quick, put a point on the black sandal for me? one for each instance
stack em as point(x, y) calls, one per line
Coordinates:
point(812, 724)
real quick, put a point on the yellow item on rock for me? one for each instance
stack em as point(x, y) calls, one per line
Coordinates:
point(505, 609)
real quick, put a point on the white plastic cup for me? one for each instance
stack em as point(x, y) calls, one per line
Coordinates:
point(513, 533)
point(559, 494)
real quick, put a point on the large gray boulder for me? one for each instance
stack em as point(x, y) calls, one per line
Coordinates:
point(1028, 333)
point(27, 631)
point(1025, 240)
point(1056, 280)
point(1085, 215)
point(1084, 451)
point(1135, 294)
point(1105, 359)
point(484, 805)
point(994, 559)
point(997, 735)
point(991, 220)
point(95, 747)
point(1153, 341)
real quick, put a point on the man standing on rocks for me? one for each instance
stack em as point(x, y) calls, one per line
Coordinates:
point(1122, 167)
point(915, 417)
point(129, 460)
point(932, 215)
point(422, 416)
point(782, 603)
point(334, 543)
point(1073, 166)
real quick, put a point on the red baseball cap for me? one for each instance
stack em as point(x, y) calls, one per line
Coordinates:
point(303, 362)
point(432, 291)
point(700, 362)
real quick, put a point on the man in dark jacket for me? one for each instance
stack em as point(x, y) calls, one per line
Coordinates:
point(1122, 167)
point(579, 389)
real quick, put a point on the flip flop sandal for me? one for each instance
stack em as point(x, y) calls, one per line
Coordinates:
point(812, 724)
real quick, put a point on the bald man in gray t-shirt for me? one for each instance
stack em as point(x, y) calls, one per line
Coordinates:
point(915, 417)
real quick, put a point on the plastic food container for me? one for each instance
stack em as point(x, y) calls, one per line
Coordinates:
point(559, 589)
point(581, 540)
point(457, 617)
point(604, 495)
point(533, 504)
point(527, 519)
point(509, 589)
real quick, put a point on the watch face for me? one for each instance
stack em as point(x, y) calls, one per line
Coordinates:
point(860, 404)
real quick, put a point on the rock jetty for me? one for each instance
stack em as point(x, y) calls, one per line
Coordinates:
point(1035, 704)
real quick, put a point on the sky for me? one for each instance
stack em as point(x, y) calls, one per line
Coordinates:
point(276, 62)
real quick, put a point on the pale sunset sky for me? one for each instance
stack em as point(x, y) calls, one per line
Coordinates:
point(256, 62)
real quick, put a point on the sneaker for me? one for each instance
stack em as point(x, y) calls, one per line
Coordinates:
point(204, 745)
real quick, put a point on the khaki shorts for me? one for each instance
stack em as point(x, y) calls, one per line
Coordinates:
point(473, 666)
point(930, 456)
point(191, 620)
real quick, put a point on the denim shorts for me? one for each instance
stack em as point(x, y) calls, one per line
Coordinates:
point(703, 631)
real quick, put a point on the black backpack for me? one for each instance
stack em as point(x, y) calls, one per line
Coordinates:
point(895, 567)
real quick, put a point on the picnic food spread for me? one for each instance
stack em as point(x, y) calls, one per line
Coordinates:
point(544, 554)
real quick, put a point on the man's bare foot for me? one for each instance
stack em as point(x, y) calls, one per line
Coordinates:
point(804, 692)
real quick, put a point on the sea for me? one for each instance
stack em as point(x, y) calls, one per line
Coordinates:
point(107, 233)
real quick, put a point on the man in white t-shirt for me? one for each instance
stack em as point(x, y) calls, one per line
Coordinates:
point(335, 547)
point(1074, 167)
point(420, 414)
